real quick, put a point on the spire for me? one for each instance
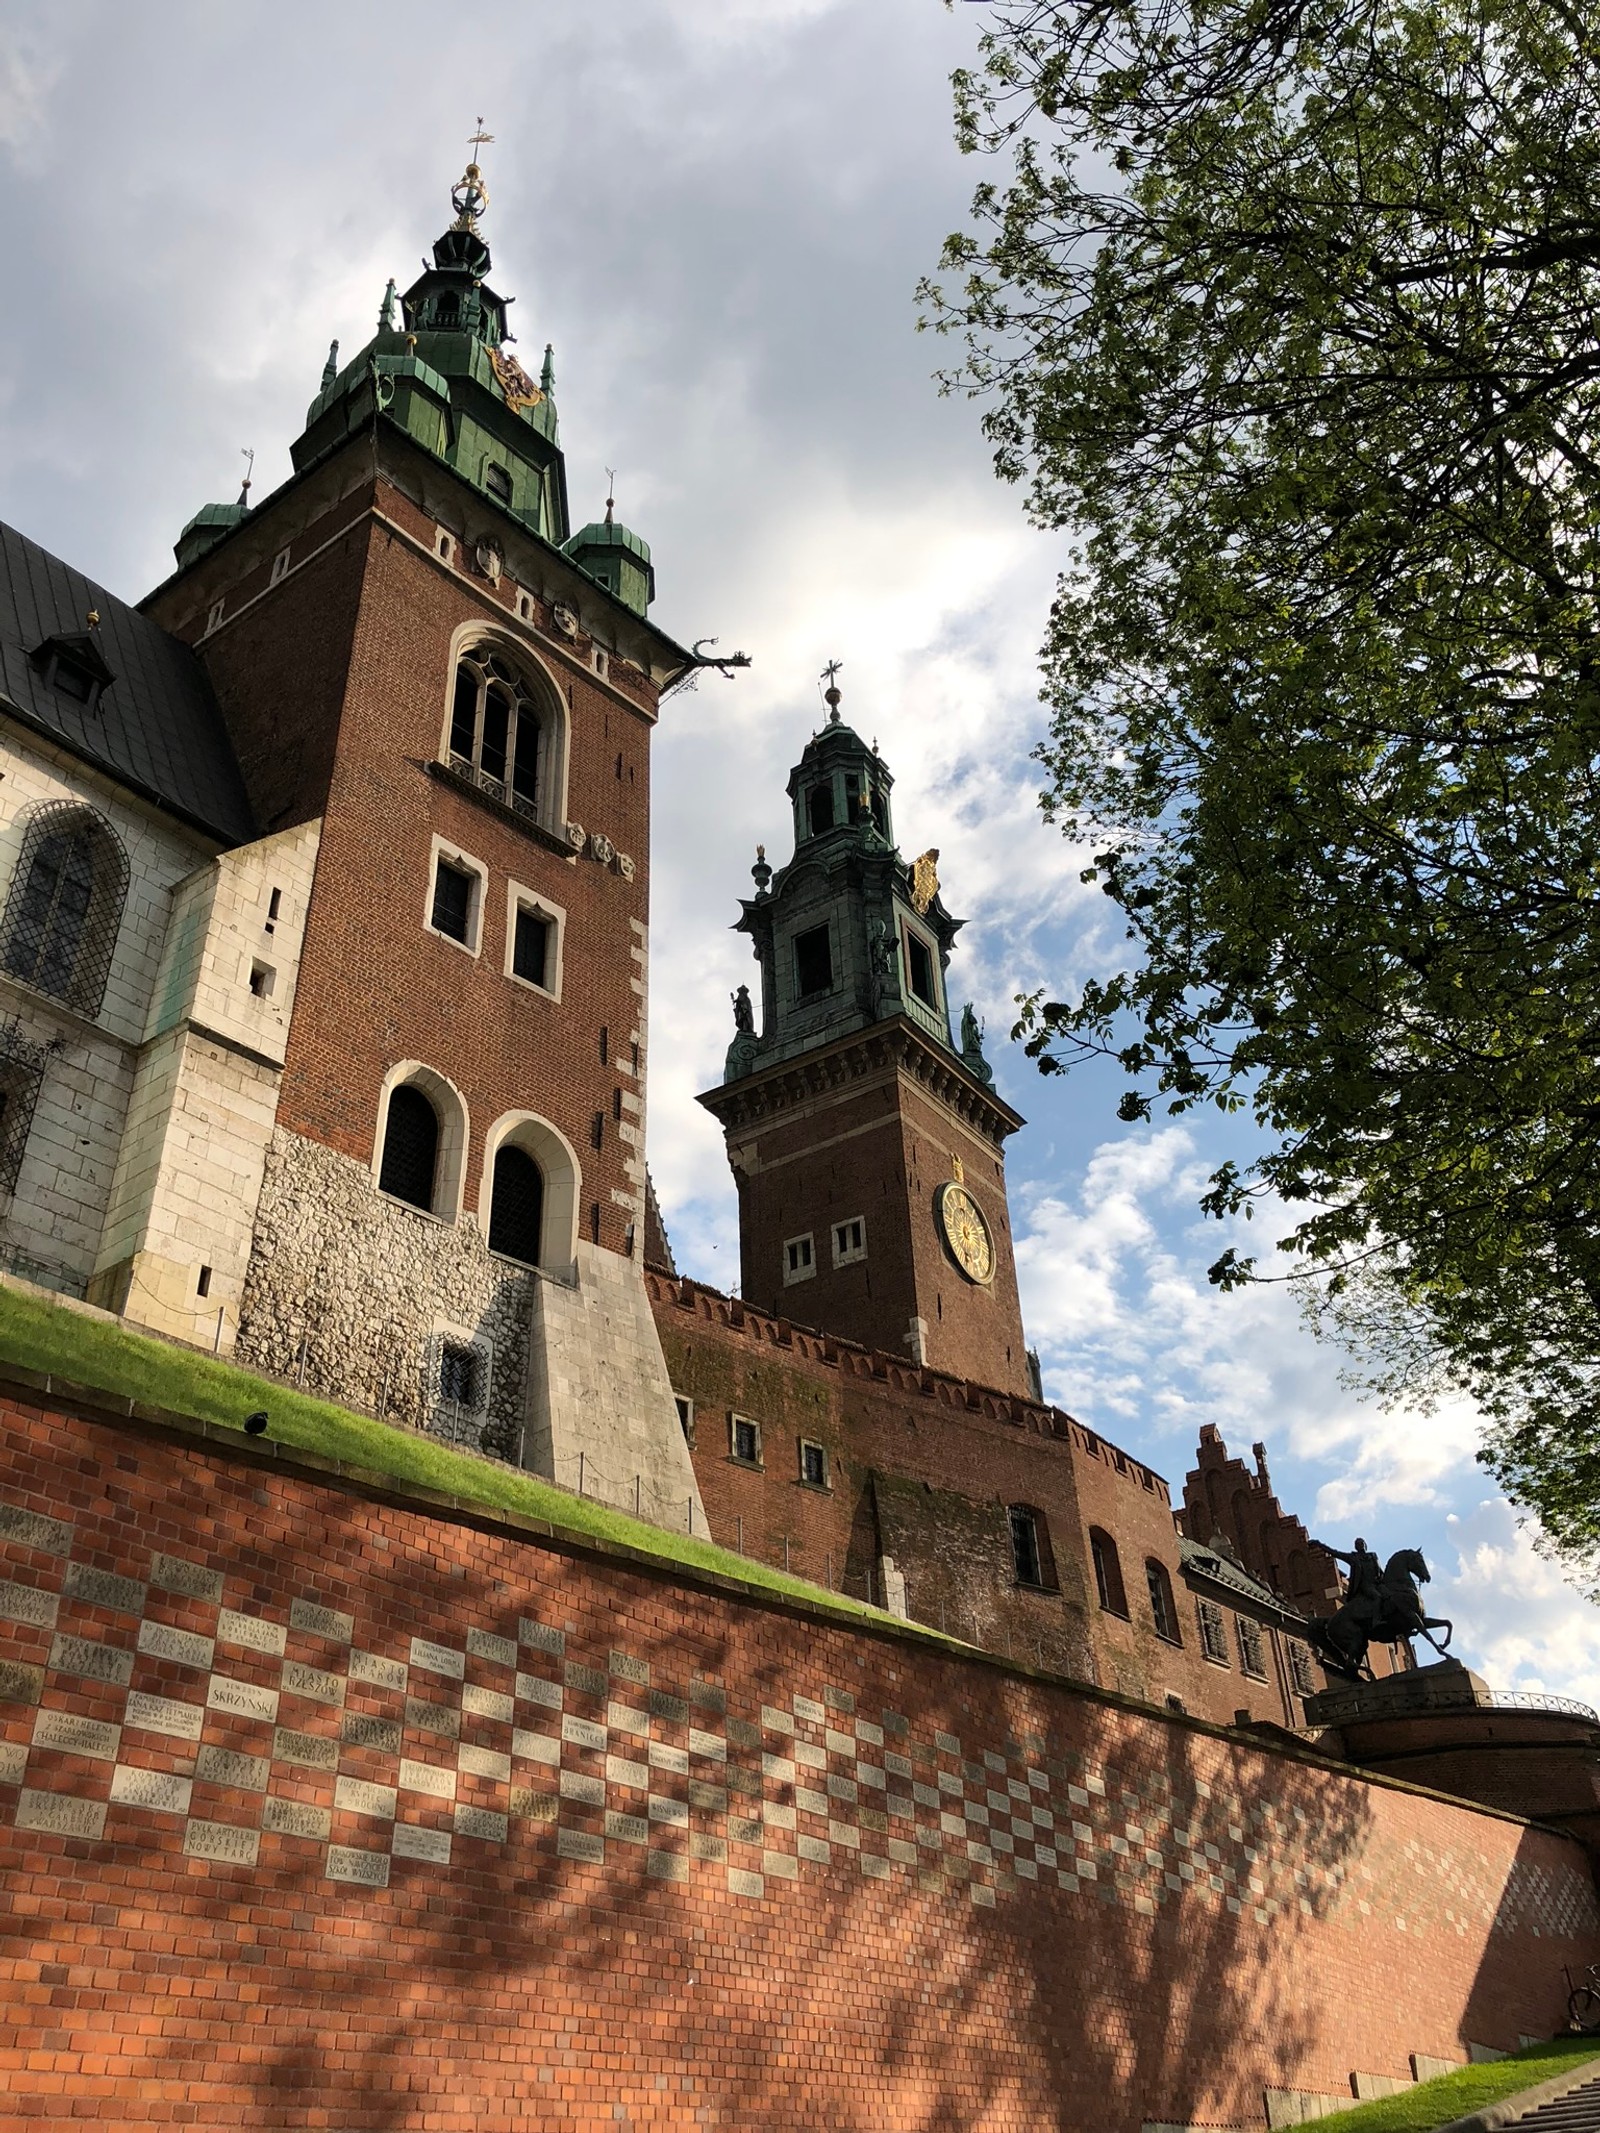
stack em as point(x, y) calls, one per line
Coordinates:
point(330, 369)
point(386, 315)
point(611, 495)
point(248, 454)
point(547, 376)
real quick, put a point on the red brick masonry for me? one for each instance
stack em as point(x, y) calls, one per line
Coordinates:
point(324, 1809)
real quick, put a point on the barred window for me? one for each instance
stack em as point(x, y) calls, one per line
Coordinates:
point(21, 1073)
point(1213, 1633)
point(516, 1206)
point(1162, 1611)
point(1252, 1657)
point(65, 905)
point(496, 734)
point(410, 1147)
point(1305, 1682)
point(458, 1373)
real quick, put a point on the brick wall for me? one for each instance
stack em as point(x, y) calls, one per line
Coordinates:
point(325, 1807)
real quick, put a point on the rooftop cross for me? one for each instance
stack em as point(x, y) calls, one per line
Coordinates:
point(830, 695)
point(469, 196)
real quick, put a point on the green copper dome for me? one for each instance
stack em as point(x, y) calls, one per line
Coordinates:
point(208, 526)
point(616, 558)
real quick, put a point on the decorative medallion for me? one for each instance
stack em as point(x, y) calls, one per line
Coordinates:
point(925, 880)
point(519, 389)
point(965, 1232)
point(489, 560)
point(564, 619)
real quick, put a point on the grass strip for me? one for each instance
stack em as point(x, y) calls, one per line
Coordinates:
point(52, 1338)
point(1456, 2095)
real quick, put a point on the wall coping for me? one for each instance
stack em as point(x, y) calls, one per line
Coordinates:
point(42, 1391)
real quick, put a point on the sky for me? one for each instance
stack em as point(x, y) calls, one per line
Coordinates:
point(718, 212)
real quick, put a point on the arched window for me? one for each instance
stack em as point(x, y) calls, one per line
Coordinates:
point(410, 1147)
point(1107, 1572)
point(516, 1206)
point(1162, 1610)
point(819, 808)
point(65, 906)
point(1025, 1557)
point(497, 736)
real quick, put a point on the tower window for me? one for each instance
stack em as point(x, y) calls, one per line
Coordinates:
point(813, 1465)
point(1213, 1638)
point(1107, 1572)
point(744, 1440)
point(262, 979)
point(1162, 1611)
point(452, 902)
point(530, 952)
point(813, 963)
point(799, 1260)
point(410, 1148)
point(819, 809)
point(496, 733)
point(516, 1208)
point(497, 480)
point(1026, 1558)
point(849, 1241)
point(919, 963)
point(65, 906)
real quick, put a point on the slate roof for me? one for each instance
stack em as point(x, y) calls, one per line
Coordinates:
point(1223, 1570)
point(156, 728)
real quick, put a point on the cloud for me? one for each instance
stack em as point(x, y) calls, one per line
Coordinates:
point(1524, 1625)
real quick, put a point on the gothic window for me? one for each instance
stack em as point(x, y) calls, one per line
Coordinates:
point(1252, 1658)
point(516, 1209)
point(1107, 1572)
point(410, 1147)
point(497, 737)
point(919, 963)
point(1162, 1611)
point(65, 906)
point(1026, 1558)
point(813, 963)
point(1213, 1635)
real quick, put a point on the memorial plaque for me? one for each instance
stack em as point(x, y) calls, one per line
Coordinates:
point(663, 1757)
point(61, 1812)
point(90, 1661)
point(225, 1842)
point(355, 1796)
point(702, 1846)
point(359, 1729)
point(245, 1698)
point(707, 1696)
point(620, 1771)
point(13, 1762)
point(482, 1645)
point(76, 1736)
point(575, 1786)
point(625, 1718)
point(673, 1709)
point(713, 1798)
point(845, 1833)
point(250, 1633)
point(484, 1762)
point(101, 1588)
point(173, 1574)
point(627, 1829)
point(813, 1848)
point(411, 1841)
point(535, 1747)
point(808, 1708)
point(905, 1853)
point(741, 1734)
point(742, 1884)
point(313, 1683)
point(311, 1750)
point(585, 1678)
point(19, 1682)
point(223, 1766)
point(26, 1603)
point(948, 1742)
point(347, 1864)
point(711, 1746)
point(540, 1638)
point(437, 1658)
point(534, 1806)
point(160, 1789)
point(369, 1666)
point(780, 1866)
point(627, 1668)
point(583, 1733)
point(777, 1721)
point(580, 1845)
point(159, 1640)
point(745, 1830)
point(488, 1703)
point(480, 1822)
point(814, 1803)
point(320, 1621)
point(533, 1688)
point(741, 1780)
point(29, 1529)
point(874, 1867)
point(433, 1717)
point(292, 1818)
point(427, 1777)
point(898, 1765)
point(164, 1714)
point(667, 1866)
point(674, 1811)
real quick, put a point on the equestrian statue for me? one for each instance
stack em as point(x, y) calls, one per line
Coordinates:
point(1381, 1604)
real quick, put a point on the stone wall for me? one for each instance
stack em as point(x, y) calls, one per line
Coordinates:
point(317, 1805)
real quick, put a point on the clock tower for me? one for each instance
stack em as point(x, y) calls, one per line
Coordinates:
point(867, 1148)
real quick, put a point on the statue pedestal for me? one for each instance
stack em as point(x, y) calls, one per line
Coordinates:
point(1447, 1686)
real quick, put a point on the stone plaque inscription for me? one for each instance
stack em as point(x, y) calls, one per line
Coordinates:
point(224, 1841)
point(61, 1812)
point(160, 1789)
point(362, 1730)
point(412, 1842)
point(194, 1580)
point(20, 1683)
point(347, 1864)
point(90, 1661)
point(222, 1766)
point(244, 1697)
point(291, 1818)
point(100, 1588)
point(502, 1650)
point(28, 1529)
point(159, 1640)
point(437, 1658)
point(76, 1736)
point(310, 1750)
point(313, 1683)
point(369, 1666)
point(322, 1621)
point(250, 1633)
point(26, 1603)
point(164, 1714)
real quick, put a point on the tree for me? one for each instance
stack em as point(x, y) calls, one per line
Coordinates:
point(1287, 309)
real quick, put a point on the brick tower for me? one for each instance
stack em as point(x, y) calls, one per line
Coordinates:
point(866, 1147)
point(452, 696)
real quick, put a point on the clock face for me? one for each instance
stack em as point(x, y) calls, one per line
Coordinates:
point(965, 1232)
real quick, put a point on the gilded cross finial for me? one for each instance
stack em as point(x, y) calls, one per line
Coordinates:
point(480, 139)
point(469, 196)
point(611, 498)
point(830, 695)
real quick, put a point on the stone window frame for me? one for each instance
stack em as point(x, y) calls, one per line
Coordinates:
point(447, 1333)
point(96, 942)
point(563, 1188)
point(798, 1267)
point(549, 703)
point(1251, 1640)
point(736, 1422)
point(449, 1175)
point(519, 897)
point(852, 1254)
point(451, 854)
point(809, 1444)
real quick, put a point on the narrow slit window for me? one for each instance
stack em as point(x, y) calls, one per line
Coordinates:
point(1026, 1559)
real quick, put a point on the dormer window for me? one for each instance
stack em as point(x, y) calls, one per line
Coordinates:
point(497, 480)
point(74, 667)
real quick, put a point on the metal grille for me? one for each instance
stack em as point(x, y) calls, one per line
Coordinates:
point(1251, 1657)
point(65, 906)
point(1213, 1637)
point(1300, 1670)
point(21, 1075)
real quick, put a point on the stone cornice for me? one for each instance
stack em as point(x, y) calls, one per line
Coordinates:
point(895, 1046)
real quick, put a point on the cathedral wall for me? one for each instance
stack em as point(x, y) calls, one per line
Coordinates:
point(317, 1801)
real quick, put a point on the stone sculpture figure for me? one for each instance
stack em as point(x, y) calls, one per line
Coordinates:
point(1381, 1604)
point(744, 1016)
point(972, 1046)
point(742, 1052)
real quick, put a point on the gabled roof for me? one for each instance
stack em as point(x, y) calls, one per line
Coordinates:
point(154, 726)
point(1222, 1568)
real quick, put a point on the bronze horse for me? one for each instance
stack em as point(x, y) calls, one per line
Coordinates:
point(1375, 1610)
